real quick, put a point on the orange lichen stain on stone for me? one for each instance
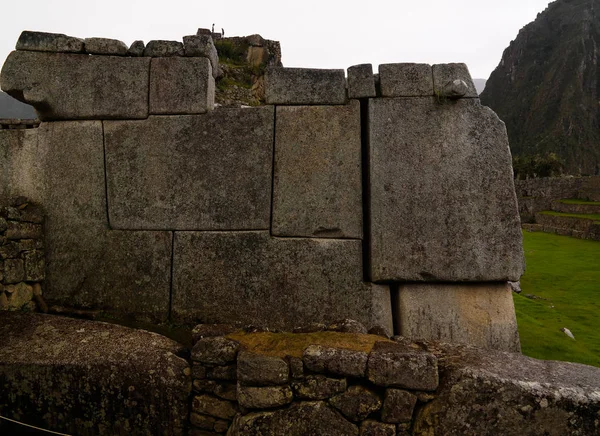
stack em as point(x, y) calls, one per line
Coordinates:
point(294, 344)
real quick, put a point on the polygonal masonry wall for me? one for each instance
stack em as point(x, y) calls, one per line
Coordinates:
point(318, 208)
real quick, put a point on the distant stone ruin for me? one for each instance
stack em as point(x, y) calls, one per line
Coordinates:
point(384, 198)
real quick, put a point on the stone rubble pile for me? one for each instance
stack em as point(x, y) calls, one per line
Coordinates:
point(22, 266)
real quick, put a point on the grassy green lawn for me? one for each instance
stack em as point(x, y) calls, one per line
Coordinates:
point(565, 272)
point(589, 216)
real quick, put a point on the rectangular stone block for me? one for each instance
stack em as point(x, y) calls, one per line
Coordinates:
point(480, 314)
point(405, 80)
point(443, 205)
point(249, 277)
point(181, 86)
point(361, 82)
point(202, 46)
point(61, 168)
point(49, 42)
point(74, 87)
point(208, 172)
point(445, 73)
point(305, 86)
point(317, 185)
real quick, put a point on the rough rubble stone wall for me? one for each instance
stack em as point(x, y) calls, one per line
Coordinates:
point(313, 208)
point(22, 264)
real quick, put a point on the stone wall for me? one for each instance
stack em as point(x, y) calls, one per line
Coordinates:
point(22, 268)
point(339, 198)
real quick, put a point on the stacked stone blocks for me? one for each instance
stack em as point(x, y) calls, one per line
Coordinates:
point(22, 265)
point(334, 200)
point(326, 389)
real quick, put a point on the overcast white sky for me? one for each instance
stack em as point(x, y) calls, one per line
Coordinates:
point(313, 33)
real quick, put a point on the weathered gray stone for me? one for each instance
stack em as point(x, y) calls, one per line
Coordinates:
point(198, 371)
point(202, 46)
point(82, 377)
point(223, 158)
point(443, 206)
point(3, 225)
point(161, 48)
point(202, 421)
point(310, 280)
point(18, 230)
point(62, 168)
point(300, 419)
point(305, 86)
point(227, 372)
point(318, 387)
point(181, 86)
point(90, 87)
point(348, 326)
point(453, 89)
point(375, 428)
point(264, 397)
point(136, 48)
point(212, 330)
point(205, 386)
point(317, 185)
point(49, 42)
point(105, 46)
point(398, 406)
point(34, 266)
point(337, 361)
point(361, 83)
point(448, 73)
point(14, 271)
point(479, 314)
point(19, 295)
point(405, 80)
point(296, 368)
point(215, 351)
point(221, 426)
point(3, 300)
point(357, 403)
point(208, 405)
point(226, 391)
point(259, 370)
point(512, 394)
point(394, 365)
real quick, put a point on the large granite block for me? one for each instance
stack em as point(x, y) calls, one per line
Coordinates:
point(49, 42)
point(317, 186)
point(305, 86)
point(74, 87)
point(207, 172)
point(361, 82)
point(443, 74)
point(249, 277)
point(181, 86)
point(405, 80)
point(61, 168)
point(202, 46)
point(480, 314)
point(443, 205)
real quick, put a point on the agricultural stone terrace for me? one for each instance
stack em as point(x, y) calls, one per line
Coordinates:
point(344, 210)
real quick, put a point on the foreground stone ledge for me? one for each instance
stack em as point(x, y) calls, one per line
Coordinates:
point(443, 207)
point(49, 42)
point(90, 87)
point(305, 86)
point(480, 314)
point(83, 377)
point(317, 179)
point(226, 167)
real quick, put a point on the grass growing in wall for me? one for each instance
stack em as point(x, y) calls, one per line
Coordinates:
point(587, 216)
point(564, 274)
point(577, 201)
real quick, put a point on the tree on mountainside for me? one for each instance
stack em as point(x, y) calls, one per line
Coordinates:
point(537, 165)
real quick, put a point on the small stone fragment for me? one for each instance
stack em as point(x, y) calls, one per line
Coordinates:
point(375, 428)
point(212, 330)
point(357, 403)
point(379, 331)
point(3, 300)
point(205, 386)
point(318, 387)
point(136, 49)
point(105, 46)
point(208, 405)
point(221, 426)
point(198, 371)
point(337, 361)
point(202, 46)
point(19, 295)
point(348, 326)
point(454, 89)
point(227, 372)
point(259, 370)
point(202, 421)
point(296, 367)
point(398, 406)
point(215, 351)
point(305, 86)
point(50, 42)
point(34, 266)
point(3, 225)
point(14, 271)
point(19, 230)
point(227, 391)
point(405, 80)
point(391, 364)
point(264, 397)
point(444, 74)
point(311, 328)
point(361, 83)
point(161, 48)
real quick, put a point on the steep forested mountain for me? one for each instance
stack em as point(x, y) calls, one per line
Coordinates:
point(546, 88)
